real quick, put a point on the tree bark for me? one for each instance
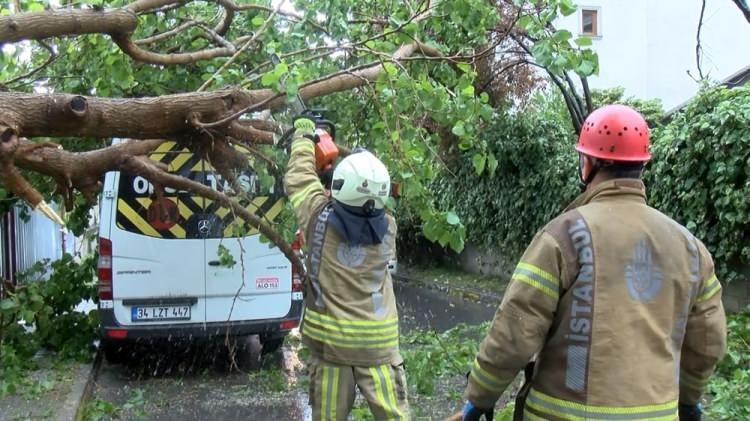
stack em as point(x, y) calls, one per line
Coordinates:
point(64, 22)
point(168, 116)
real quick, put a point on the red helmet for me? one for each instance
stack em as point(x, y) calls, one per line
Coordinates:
point(615, 133)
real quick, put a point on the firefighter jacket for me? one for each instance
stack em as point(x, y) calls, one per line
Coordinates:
point(622, 308)
point(350, 313)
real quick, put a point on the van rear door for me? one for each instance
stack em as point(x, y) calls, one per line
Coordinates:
point(258, 285)
point(158, 249)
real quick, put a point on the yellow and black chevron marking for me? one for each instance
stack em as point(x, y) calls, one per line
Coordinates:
point(132, 206)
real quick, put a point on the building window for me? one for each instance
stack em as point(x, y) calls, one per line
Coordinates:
point(590, 22)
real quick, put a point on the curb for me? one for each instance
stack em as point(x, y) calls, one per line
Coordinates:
point(80, 393)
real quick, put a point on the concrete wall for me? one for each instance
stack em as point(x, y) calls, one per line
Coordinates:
point(736, 295)
point(647, 46)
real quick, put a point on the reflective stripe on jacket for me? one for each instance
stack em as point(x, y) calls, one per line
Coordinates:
point(350, 310)
point(621, 306)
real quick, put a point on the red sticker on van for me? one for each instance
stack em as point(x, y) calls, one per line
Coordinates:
point(266, 283)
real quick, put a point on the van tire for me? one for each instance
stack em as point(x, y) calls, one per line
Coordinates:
point(115, 352)
point(247, 352)
point(272, 345)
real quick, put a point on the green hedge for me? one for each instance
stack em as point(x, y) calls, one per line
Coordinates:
point(700, 174)
point(536, 177)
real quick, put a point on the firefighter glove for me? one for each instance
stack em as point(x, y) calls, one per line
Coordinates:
point(472, 413)
point(690, 412)
point(304, 125)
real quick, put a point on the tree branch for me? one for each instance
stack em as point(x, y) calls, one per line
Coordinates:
point(698, 48)
point(52, 57)
point(168, 116)
point(744, 8)
point(166, 34)
point(63, 22)
point(137, 53)
point(243, 48)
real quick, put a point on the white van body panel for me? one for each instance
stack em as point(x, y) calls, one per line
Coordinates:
point(260, 281)
point(148, 269)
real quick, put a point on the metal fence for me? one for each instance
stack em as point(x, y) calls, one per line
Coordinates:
point(27, 240)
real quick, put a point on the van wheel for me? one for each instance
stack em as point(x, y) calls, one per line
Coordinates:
point(115, 352)
point(247, 352)
point(272, 345)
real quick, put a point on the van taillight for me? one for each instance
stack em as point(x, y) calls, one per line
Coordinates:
point(104, 269)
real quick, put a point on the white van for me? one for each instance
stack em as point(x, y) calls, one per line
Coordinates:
point(160, 269)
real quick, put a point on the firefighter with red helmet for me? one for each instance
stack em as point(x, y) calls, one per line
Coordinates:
point(617, 304)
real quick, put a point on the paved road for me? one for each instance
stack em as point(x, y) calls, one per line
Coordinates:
point(174, 383)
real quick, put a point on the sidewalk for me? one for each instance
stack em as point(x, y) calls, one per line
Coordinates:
point(53, 392)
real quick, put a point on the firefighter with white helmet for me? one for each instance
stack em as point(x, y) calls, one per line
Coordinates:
point(350, 322)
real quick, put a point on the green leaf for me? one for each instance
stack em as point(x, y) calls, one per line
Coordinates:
point(269, 79)
point(479, 161)
point(280, 69)
point(36, 7)
point(457, 244)
point(257, 21)
point(562, 35)
point(567, 7)
point(492, 164)
point(390, 68)
point(8, 304)
point(584, 41)
point(586, 68)
point(452, 219)
point(458, 129)
point(464, 67)
point(525, 21)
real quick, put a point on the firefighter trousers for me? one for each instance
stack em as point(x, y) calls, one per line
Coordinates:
point(333, 389)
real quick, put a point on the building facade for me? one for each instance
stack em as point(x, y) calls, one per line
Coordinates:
point(649, 46)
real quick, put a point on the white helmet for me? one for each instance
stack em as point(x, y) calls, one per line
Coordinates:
point(361, 177)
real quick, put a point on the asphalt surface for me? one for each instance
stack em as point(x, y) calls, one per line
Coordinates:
point(172, 381)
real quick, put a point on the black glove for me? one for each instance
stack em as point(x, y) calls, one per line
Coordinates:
point(690, 412)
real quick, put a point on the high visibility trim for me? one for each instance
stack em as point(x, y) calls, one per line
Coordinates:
point(528, 415)
point(544, 288)
point(538, 272)
point(485, 379)
point(332, 340)
point(342, 322)
point(343, 328)
point(333, 392)
point(298, 197)
point(324, 383)
point(359, 336)
point(386, 369)
point(710, 287)
point(306, 145)
point(568, 410)
point(378, 384)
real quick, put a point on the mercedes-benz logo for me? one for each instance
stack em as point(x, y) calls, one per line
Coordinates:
point(204, 226)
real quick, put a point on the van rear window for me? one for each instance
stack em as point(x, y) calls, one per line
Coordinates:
point(180, 214)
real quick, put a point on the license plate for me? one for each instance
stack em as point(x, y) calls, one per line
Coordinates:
point(152, 314)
